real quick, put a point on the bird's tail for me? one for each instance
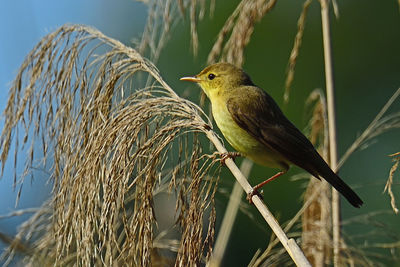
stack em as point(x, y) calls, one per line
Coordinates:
point(342, 187)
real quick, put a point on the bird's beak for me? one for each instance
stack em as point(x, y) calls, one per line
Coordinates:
point(191, 79)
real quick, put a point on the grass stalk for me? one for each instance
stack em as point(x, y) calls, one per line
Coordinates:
point(331, 125)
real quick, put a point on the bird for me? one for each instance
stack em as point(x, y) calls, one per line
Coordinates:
point(252, 122)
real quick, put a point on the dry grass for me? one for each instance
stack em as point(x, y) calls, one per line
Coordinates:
point(240, 25)
point(163, 16)
point(109, 154)
point(389, 183)
point(296, 49)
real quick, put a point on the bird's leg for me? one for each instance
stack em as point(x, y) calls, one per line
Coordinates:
point(254, 191)
point(226, 155)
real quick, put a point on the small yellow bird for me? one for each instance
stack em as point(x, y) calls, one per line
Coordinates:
point(255, 126)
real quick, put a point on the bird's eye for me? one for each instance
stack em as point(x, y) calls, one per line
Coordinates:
point(211, 76)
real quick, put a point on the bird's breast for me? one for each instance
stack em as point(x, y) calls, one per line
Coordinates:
point(241, 140)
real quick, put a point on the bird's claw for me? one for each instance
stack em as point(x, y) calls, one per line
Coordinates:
point(226, 155)
point(253, 192)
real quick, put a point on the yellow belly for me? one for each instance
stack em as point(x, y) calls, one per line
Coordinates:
point(244, 142)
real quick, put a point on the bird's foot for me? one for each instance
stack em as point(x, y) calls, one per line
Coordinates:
point(226, 155)
point(253, 192)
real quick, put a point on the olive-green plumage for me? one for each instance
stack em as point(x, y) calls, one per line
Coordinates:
point(255, 126)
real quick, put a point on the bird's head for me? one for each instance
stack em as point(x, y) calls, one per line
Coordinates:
point(218, 78)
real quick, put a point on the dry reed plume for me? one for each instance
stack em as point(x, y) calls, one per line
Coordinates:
point(240, 25)
point(163, 16)
point(109, 154)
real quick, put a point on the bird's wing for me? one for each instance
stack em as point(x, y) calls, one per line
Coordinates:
point(263, 119)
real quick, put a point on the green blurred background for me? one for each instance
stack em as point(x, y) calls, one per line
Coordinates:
point(365, 42)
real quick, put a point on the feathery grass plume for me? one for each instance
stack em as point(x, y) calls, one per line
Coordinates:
point(301, 22)
point(389, 183)
point(157, 29)
point(240, 25)
point(163, 16)
point(109, 154)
